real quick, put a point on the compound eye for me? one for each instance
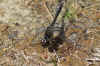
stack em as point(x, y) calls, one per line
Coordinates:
point(43, 41)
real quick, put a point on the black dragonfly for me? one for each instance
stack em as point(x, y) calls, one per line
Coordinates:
point(50, 41)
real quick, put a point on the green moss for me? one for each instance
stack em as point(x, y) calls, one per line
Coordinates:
point(68, 15)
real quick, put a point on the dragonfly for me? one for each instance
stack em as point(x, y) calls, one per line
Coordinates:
point(51, 41)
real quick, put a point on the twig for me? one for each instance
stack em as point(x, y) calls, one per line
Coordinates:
point(47, 9)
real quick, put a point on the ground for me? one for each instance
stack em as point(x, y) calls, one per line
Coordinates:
point(23, 23)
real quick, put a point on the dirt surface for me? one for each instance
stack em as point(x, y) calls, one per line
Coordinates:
point(23, 23)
